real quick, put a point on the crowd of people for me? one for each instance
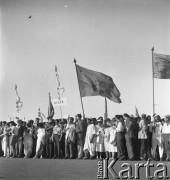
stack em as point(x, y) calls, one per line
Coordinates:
point(125, 137)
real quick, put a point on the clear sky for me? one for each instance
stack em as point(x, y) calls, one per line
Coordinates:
point(114, 37)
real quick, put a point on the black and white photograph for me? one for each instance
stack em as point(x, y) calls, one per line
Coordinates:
point(84, 89)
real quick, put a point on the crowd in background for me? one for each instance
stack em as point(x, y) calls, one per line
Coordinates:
point(125, 137)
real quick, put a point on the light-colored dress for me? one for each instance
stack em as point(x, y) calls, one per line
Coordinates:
point(28, 142)
point(88, 145)
point(112, 140)
point(142, 132)
point(106, 139)
point(99, 139)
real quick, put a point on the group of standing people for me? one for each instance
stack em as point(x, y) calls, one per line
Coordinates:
point(125, 137)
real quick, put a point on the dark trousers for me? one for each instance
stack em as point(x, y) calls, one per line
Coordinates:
point(56, 145)
point(145, 148)
point(48, 145)
point(121, 145)
point(62, 148)
point(69, 149)
point(129, 146)
point(1, 152)
point(20, 146)
point(136, 148)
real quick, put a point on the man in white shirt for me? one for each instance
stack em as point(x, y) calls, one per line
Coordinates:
point(166, 136)
point(156, 136)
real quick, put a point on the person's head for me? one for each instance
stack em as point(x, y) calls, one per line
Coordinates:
point(31, 122)
point(70, 120)
point(36, 121)
point(19, 122)
point(62, 124)
point(88, 121)
point(119, 118)
point(100, 121)
point(126, 116)
point(108, 122)
point(3, 123)
point(93, 121)
point(28, 125)
point(113, 122)
point(41, 125)
point(12, 123)
point(56, 121)
point(143, 116)
point(78, 117)
point(157, 118)
point(167, 118)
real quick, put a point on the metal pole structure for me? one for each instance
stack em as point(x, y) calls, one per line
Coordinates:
point(79, 88)
point(153, 82)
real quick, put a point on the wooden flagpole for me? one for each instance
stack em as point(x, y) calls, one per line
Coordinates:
point(105, 114)
point(79, 88)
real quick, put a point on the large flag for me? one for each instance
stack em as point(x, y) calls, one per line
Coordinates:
point(19, 104)
point(161, 66)
point(50, 108)
point(94, 83)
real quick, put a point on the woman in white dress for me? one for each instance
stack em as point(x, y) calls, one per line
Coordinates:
point(107, 137)
point(112, 140)
point(99, 138)
point(28, 141)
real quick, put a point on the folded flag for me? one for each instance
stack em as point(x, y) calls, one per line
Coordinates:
point(50, 108)
point(161, 66)
point(94, 83)
point(136, 112)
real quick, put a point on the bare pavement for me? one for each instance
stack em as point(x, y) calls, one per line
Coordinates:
point(56, 169)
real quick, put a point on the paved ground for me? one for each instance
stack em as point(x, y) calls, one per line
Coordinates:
point(49, 169)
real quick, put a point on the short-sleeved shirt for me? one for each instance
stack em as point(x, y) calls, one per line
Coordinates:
point(57, 130)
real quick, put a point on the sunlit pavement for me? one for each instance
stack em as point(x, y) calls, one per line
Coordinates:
point(44, 169)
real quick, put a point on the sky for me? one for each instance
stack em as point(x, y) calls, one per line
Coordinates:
point(114, 37)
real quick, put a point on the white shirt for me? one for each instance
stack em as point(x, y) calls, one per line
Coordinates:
point(14, 130)
point(166, 128)
point(68, 128)
point(41, 132)
point(120, 127)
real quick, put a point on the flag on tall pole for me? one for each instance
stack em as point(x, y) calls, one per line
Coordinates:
point(161, 66)
point(93, 83)
point(19, 104)
point(50, 108)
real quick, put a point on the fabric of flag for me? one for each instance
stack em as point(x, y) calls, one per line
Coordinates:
point(60, 88)
point(94, 83)
point(41, 116)
point(50, 108)
point(19, 104)
point(161, 66)
point(136, 112)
